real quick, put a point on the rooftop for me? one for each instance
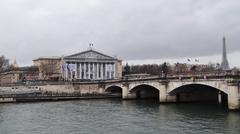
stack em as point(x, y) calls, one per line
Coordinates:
point(48, 58)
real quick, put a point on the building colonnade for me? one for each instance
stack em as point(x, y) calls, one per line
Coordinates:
point(90, 70)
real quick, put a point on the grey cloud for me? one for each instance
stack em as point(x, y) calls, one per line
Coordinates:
point(130, 29)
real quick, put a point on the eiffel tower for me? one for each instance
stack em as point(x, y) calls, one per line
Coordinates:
point(224, 65)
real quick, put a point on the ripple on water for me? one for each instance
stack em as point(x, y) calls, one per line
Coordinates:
point(116, 117)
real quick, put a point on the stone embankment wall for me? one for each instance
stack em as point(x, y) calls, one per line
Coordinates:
point(55, 89)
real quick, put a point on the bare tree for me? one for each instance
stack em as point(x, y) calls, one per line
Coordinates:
point(46, 69)
point(126, 69)
point(4, 63)
point(1, 62)
point(49, 69)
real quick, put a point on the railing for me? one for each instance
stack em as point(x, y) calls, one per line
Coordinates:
point(189, 76)
point(220, 76)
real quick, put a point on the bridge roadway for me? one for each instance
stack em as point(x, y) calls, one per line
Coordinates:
point(220, 88)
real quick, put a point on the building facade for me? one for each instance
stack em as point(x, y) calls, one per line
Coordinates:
point(91, 65)
point(49, 68)
point(19, 74)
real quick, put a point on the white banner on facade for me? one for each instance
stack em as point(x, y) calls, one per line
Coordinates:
point(72, 67)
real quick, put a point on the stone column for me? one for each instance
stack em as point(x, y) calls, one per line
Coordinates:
point(102, 71)
point(114, 70)
point(71, 72)
point(110, 70)
point(76, 69)
point(66, 72)
point(93, 71)
point(84, 71)
point(106, 66)
point(97, 70)
point(233, 98)
point(89, 71)
point(80, 70)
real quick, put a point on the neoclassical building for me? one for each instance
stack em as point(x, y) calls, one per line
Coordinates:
point(91, 65)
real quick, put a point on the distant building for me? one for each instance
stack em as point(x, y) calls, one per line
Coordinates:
point(91, 65)
point(15, 65)
point(19, 74)
point(49, 68)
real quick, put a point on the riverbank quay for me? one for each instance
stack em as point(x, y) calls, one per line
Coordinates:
point(52, 91)
point(13, 98)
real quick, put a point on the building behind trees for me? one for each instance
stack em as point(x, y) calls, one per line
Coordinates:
point(49, 68)
point(173, 69)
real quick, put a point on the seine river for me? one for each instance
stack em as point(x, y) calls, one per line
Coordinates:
point(117, 117)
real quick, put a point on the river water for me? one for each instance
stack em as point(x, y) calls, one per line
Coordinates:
point(117, 117)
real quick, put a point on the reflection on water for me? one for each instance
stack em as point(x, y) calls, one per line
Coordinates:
point(116, 117)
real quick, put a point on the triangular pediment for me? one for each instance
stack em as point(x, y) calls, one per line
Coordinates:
point(90, 54)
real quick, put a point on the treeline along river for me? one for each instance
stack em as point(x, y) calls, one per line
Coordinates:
point(115, 116)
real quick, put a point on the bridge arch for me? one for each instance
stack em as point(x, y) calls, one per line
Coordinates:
point(199, 92)
point(145, 91)
point(114, 89)
point(151, 84)
point(219, 85)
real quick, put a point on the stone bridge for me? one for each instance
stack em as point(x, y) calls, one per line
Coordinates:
point(223, 89)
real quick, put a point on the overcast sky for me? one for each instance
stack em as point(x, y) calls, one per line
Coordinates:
point(138, 31)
